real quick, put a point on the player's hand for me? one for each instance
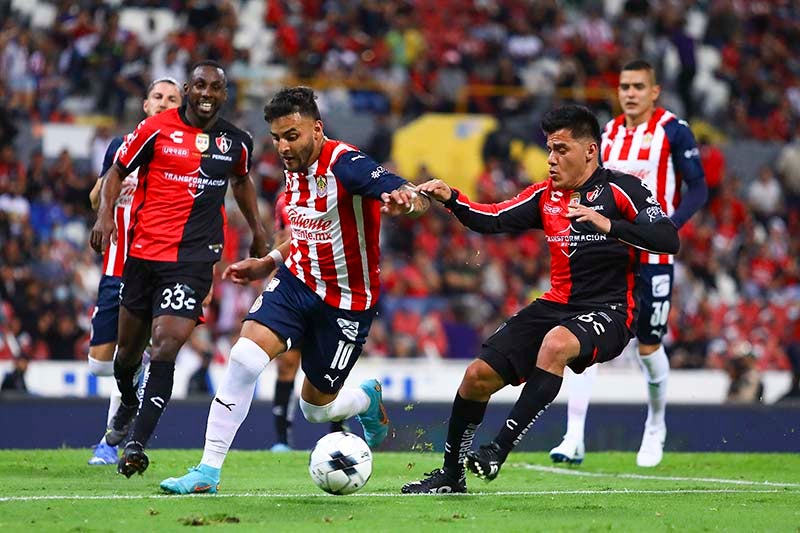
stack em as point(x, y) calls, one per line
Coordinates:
point(398, 202)
point(582, 213)
point(247, 270)
point(103, 232)
point(436, 189)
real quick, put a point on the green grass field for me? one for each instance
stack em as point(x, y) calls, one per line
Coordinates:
point(54, 490)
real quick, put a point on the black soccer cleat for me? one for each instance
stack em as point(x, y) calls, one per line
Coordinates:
point(486, 461)
point(437, 482)
point(121, 424)
point(133, 460)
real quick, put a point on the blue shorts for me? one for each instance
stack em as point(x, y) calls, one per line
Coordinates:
point(106, 313)
point(329, 339)
point(655, 292)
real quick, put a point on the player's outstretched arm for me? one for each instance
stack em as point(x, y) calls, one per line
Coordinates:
point(104, 230)
point(405, 200)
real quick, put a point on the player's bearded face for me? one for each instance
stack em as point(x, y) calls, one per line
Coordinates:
point(570, 159)
point(163, 96)
point(207, 91)
point(297, 139)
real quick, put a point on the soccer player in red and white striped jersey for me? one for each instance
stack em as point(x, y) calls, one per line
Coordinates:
point(162, 94)
point(652, 144)
point(324, 294)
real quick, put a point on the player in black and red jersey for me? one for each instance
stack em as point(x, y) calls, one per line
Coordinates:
point(594, 220)
point(186, 157)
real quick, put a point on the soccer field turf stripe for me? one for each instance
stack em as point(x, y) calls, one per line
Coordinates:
point(384, 495)
point(573, 472)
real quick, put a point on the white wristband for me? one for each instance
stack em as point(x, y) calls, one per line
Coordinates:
point(277, 256)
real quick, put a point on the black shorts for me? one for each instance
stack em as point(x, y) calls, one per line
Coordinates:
point(512, 350)
point(654, 289)
point(155, 288)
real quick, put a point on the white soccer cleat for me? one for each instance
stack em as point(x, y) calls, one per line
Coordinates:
point(652, 449)
point(569, 451)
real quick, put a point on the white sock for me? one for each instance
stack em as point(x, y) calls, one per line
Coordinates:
point(101, 368)
point(114, 401)
point(656, 368)
point(349, 402)
point(579, 390)
point(232, 400)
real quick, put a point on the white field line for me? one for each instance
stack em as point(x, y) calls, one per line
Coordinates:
point(574, 472)
point(266, 495)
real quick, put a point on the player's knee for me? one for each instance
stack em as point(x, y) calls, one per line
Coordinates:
point(480, 381)
point(315, 413)
point(558, 347)
point(101, 368)
point(249, 356)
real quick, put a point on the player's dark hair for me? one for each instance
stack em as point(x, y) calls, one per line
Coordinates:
point(209, 63)
point(292, 100)
point(166, 79)
point(577, 119)
point(641, 64)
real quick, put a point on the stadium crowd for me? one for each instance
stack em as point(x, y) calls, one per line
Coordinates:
point(738, 276)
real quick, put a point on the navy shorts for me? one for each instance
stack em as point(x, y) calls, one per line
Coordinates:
point(654, 289)
point(105, 316)
point(512, 350)
point(330, 339)
point(155, 288)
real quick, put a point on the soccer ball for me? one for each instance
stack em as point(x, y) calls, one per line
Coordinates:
point(340, 463)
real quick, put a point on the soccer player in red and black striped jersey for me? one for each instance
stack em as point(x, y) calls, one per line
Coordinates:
point(652, 144)
point(595, 221)
point(186, 157)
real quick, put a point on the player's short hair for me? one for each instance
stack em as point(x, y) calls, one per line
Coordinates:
point(577, 119)
point(290, 100)
point(209, 63)
point(166, 79)
point(641, 64)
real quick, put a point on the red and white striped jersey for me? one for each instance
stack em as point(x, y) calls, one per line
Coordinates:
point(656, 152)
point(116, 254)
point(334, 217)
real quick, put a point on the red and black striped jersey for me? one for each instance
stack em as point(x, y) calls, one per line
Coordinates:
point(178, 209)
point(587, 267)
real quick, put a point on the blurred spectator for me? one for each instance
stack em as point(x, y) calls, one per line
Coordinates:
point(745, 385)
point(765, 196)
point(14, 381)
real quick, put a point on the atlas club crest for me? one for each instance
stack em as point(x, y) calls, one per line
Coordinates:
point(223, 144)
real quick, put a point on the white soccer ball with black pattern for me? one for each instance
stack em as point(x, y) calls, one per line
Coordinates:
point(340, 463)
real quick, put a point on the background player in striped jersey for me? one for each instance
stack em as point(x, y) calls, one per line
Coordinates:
point(593, 219)
point(653, 145)
point(324, 294)
point(162, 94)
point(187, 157)
point(283, 405)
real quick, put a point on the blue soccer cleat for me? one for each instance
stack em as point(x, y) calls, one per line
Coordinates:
point(104, 454)
point(374, 420)
point(280, 447)
point(200, 479)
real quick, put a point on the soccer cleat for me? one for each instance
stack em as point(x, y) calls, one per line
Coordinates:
point(485, 462)
point(280, 447)
point(121, 424)
point(104, 454)
point(133, 460)
point(201, 478)
point(569, 451)
point(652, 449)
point(437, 482)
point(374, 420)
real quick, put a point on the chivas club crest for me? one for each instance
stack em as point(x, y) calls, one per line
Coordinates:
point(647, 140)
point(575, 198)
point(593, 194)
point(322, 186)
point(201, 142)
point(223, 144)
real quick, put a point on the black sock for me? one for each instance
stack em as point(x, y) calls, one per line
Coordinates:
point(465, 418)
point(157, 392)
point(336, 425)
point(537, 394)
point(126, 381)
point(280, 409)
